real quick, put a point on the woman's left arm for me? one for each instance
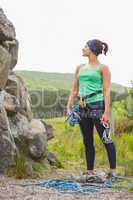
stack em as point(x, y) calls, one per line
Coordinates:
point(106, 75)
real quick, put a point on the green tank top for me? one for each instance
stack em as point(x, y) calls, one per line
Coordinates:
point(90, 80)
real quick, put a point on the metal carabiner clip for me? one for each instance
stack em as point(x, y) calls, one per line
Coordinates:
point(82, 103)
point(105, 124)
point(106, 133)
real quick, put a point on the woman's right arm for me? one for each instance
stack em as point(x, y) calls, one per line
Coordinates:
point(73, 91)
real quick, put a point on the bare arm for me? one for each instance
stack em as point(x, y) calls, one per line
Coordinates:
point(106, 74)
point(74, 89)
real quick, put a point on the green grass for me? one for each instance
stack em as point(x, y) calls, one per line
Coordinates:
point(130, 188)
point(18, 168)
point(69, 148)
point(39, 167)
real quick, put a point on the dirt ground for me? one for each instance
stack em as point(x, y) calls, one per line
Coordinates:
point(9, 190)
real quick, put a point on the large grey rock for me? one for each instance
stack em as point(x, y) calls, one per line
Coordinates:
point(36, 127)
point(38, 139)
point(10, 103)
point(19, 125)
point(15, 85)
point(7, 30)
point(19, 131)
point(5, 60)
point(49, 130)
point(53, 160)
point(8, 47)
point(32, 133)
point(7, 144)
point(12, 48)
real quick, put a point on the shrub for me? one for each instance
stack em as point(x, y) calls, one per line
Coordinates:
point(123, 125)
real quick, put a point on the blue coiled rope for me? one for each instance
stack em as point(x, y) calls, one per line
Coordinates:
point(64, 186)
point(68, 186)
point(74, 116)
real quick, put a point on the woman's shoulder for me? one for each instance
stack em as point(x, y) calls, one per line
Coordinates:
point(104, 70)
point(79, 67)
point(104, 67)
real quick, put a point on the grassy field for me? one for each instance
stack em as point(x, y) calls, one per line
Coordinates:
point(69, 148)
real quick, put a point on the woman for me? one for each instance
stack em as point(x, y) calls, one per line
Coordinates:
point(91, 84)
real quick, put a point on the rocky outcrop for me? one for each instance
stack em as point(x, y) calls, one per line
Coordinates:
point(19, 131)
point(7, 144)
point(16, 87)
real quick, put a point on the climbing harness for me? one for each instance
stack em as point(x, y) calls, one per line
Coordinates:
point(92, 110)
point(90, 95)
point(83, 110)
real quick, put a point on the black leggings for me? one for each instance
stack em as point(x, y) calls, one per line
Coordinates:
point(87, 129)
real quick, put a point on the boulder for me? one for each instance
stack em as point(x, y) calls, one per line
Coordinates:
point(7, 144)
point(5, 60)
point(12, 48)
point(10, 103)
point(19, 125)
point(49, 130)
point(53, 160)
point(21, 136)
point(32, 133)
point(38, 139)
point(15, 85)
point(7, 30)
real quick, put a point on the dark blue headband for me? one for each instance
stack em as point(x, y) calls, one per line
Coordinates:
point(92, 46)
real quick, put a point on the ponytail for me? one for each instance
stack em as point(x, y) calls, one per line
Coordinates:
point(97, 46)
point(105, 47)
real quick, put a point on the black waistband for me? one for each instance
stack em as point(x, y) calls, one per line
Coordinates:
point(90, 95)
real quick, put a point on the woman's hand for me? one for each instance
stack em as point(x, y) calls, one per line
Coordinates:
point(105, 117)
point(68, 110)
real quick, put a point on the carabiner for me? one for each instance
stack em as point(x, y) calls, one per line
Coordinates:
point(105, 124)
point(82, 103)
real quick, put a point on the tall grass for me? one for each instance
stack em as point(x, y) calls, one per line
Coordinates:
point(69, 148)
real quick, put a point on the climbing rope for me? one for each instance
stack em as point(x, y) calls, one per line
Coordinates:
point(74, 116)
point(63, 186)
point(73, 186)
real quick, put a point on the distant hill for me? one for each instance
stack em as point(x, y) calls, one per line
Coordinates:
point(36, 80)
point(50, 91)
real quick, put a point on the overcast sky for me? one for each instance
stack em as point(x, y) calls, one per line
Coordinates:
point(53, 33)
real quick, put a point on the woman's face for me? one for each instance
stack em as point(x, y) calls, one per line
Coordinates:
point(86, 51)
